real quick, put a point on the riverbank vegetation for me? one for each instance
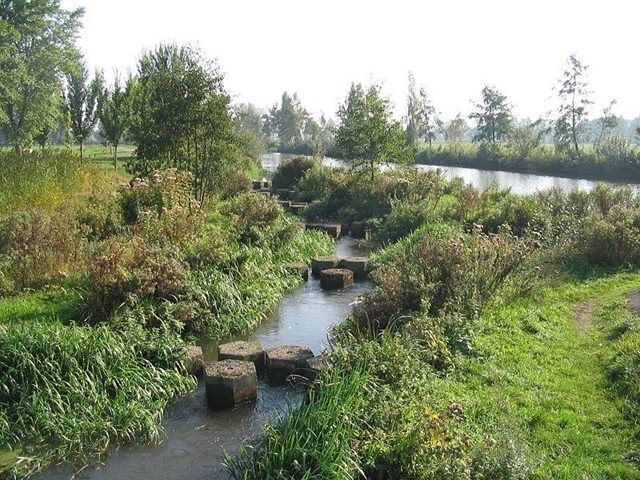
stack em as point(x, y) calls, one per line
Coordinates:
point(457, 364)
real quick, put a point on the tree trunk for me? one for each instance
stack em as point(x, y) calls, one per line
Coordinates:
point(115, 157)
point(81, 150)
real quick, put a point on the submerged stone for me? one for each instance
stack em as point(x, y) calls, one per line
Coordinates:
point(323, 263)
point(358, 230)
point(245, 351)
point(286, 360)
point(358, 265)
point(334, 230)
point(336, 278)
point(230, 382)
point(194, 360)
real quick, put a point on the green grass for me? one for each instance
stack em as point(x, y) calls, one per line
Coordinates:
point(535, 358)
point(538, 402)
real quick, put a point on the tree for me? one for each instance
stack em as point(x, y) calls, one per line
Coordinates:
point(113, 112)
point(572, 112)
point(181, 117)
point(367, 134)
point(607, 122)
point(37, 45)
point(526, 137)
point(49, 122)
point(455, 133)
point(82, 102)
point(413, 113)
point(493, 115)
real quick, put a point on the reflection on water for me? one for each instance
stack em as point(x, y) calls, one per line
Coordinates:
point(520, 183)
point(197, 438)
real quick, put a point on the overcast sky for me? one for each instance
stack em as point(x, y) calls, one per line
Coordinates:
point(318, 48)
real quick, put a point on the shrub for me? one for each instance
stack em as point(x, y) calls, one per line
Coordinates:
point(162, 190)
point(454, 274)
point(250, 215)
point(290, 172)
point(122, 267)
point(37, 247)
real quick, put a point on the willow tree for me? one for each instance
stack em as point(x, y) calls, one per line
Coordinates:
point(367, 134)
point(181, 117)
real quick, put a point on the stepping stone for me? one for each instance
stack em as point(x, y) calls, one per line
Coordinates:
point(358, 265)
point(334, 230)
point(244, 351)
point(323, 263)
point(358, 230)
point(296, 208)
point(194, 360)
point(283, 194)
point(336, 278)
point(229, 383)
point(315, 366)
point(286, 360)
point(301, 269)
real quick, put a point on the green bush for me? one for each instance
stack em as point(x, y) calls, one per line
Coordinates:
point(38, 247)
point(290, 172)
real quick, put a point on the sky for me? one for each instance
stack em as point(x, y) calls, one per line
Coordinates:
point(317, 49)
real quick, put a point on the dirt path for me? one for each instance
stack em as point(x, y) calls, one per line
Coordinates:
point(633, 304)
point(585, 314)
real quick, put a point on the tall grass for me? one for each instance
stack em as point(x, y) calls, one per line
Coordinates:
point(69, 392)
point(312, 443)
point(37, 181)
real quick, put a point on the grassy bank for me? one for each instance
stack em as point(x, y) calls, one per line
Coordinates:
point(495, 345)
point(102, 282)
point(542, 161)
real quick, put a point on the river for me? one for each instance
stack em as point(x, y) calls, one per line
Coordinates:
point(520, 183)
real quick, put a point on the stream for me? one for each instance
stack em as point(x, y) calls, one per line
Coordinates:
point(197, 438)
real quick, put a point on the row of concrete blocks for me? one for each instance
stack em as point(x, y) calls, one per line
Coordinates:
point(334, 272)
point(233, 379)
point(336, 230)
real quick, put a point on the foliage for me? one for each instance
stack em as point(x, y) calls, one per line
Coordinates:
point(36, 47)
point(81, 100)
point(572, 112)
point(366, 134)
point(113, 112)
point(289, 173)
point(493, 115)
point(181, 118)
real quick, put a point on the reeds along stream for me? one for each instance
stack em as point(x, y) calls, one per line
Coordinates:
point(196, 438)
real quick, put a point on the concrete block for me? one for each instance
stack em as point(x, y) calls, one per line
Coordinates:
point(286, 360)
point(245, 351)
point(256, 184)
point(323, 263)
point(334, 230)
point(358, 230)
point(358, 265)
point(194, 360)
point(229, 383)
point(336, 278)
